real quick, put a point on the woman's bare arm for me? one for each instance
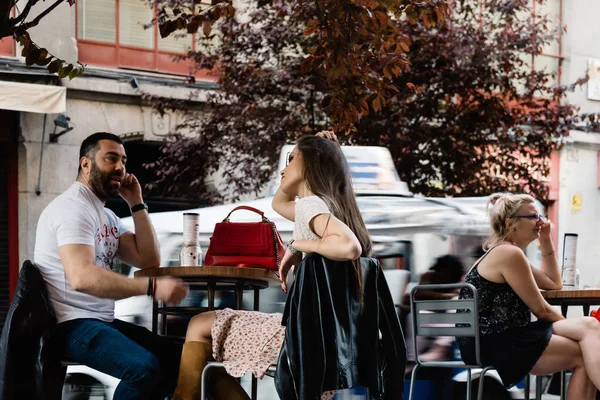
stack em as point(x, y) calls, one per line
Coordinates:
point(284, 205)
point(515, 269)
point(337, 241)
point(548, 277)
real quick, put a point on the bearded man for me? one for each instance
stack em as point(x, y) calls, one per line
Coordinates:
point(78, 241)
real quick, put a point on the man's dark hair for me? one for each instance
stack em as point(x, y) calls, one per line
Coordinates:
point(89, 146)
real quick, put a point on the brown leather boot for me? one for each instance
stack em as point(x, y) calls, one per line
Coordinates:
point(225, 387)
point(194, 357)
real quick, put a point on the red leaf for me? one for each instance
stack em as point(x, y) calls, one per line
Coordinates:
point(306, 65)
point(376, 104)
point(206, 28)
point(53, 67)
point(43, 61)
point(167, 28)
point(32, 56)
point(192, 27)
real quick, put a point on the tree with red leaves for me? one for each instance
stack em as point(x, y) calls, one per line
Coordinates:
point(455, 101)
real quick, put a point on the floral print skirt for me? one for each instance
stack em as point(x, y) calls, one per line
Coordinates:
point(249, 341)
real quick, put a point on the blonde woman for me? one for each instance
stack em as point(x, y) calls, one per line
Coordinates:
point(509, 291)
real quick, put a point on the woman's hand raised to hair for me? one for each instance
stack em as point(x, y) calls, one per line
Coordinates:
point(328, 135)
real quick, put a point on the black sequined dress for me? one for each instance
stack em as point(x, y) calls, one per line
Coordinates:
point(510, 341)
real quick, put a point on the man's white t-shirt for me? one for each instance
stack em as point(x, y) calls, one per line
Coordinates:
point(77, 216)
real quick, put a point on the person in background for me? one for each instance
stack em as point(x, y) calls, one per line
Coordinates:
point(508, 289)
point(78, 242)
point(446, 269)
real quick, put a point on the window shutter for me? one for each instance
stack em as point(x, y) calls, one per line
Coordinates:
point(176, 42)
point(133, 15)
point(96, 20)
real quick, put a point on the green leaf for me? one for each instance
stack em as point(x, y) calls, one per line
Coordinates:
point(65, 70)
point(75, 72)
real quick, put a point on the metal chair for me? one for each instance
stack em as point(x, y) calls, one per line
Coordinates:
point(440, 318)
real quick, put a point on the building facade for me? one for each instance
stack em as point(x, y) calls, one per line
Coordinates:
point(44, 119)
point(575, 184)
point(124, 60)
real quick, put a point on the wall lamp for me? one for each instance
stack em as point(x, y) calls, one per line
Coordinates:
point(62, 121)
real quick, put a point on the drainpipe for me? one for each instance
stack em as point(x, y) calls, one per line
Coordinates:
point(560, 34)
point(38, 189)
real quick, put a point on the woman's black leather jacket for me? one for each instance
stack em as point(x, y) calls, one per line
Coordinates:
point(30, 365)
point(331, 341)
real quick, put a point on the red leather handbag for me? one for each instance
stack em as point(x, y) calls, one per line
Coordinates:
point(245, 244)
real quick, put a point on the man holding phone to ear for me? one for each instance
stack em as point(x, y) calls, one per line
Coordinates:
point(77, 244)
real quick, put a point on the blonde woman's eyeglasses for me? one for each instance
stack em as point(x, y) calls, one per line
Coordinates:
point(533, 217)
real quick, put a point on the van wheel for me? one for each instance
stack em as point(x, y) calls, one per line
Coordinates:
point(83, 387)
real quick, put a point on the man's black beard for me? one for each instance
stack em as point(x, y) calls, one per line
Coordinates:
point(100, 183)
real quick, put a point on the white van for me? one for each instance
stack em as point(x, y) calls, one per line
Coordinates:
point(372, 169)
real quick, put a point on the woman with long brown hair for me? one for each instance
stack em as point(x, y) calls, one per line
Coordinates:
point(327, 222)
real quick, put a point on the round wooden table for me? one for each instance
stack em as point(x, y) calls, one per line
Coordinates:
point(211, 279)
point(571, 297)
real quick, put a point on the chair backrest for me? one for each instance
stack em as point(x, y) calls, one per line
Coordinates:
point(449, 317)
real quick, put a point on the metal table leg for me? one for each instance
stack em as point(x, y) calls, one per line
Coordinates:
point(256, 299)
point(563, 376)
point(254, 388)
point(154, 316)
point(239, 296)
point(163, 322)
point(210, 289)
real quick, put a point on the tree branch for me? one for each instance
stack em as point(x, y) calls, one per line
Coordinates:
point(37, 19)
point(23, 14)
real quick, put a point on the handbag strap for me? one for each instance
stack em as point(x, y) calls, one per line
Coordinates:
point(275, 245)
point(248, 208)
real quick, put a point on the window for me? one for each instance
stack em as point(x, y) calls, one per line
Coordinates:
point(111, 33)
point(550, 58)
point(7, 46)
point(95, 20)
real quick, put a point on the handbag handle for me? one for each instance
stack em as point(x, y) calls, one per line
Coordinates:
point(248, 208)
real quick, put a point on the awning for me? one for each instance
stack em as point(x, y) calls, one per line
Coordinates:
point(29, 97)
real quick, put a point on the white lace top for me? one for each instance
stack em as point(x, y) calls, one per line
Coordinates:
point(305, 210)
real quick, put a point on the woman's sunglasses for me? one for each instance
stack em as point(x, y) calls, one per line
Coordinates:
point(533, 217)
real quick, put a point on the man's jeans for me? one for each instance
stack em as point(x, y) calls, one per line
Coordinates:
point(147, 364)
